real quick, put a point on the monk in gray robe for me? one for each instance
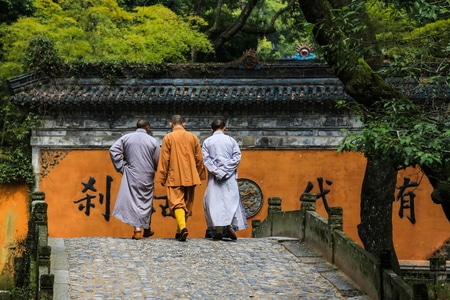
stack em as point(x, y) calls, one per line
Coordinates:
point(136, 155)
point(222, 204)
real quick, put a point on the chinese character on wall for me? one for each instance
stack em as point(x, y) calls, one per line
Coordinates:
point(87, 202)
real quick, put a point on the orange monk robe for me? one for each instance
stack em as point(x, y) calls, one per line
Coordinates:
point(181, 162)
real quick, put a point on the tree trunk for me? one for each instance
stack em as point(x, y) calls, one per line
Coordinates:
point(361, 82)
point(377, 196)
point(439, 178)
point(366, 87)
point(236, 26)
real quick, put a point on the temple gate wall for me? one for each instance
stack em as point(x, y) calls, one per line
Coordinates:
point(14, 218)
point(280, 155)
point(282, 115)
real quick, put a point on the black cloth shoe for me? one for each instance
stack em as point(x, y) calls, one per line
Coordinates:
point(217, 237)
point(225, 235)
point(183, 235)
point(231, 233)
point(210, 233)
point(148, 233)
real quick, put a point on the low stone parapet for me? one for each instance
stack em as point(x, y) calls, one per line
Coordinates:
point(40, 266)
point(328, 239)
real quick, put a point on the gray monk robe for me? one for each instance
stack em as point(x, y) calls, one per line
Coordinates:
point(135, 155)
point(222, 204)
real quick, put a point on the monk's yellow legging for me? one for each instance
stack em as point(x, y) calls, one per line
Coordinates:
point(180, 216)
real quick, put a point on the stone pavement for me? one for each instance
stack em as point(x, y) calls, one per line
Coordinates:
point(263, 268)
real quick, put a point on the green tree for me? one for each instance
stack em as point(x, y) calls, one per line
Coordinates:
point(345, 32)
point(280, 34)
point(236, 26)
point(101, 30)
point(15, 151)
point(81, 31)
point(177, 6)
point(11, 10)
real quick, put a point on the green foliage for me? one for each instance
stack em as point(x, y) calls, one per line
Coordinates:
point(17, 167)
point(11, 10)
point(414, 37)
point(102, 31)
point(413, 52)
point(167, 37)
point(439, 291)
point(15, 149)
point(42, 55)
point(434, 35)
point(16, 125)
point(400, 131)
point(283, 32)
point(349, 38)
point(25, 268)
point(423, 11)
point(291, 31)
point(74, 33)
point(177, 6)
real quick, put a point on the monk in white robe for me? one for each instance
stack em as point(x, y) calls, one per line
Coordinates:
point(136, 155)
point(222, 204)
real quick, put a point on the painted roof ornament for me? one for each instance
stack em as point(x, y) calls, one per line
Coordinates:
point(304, 52)
point(250, 59)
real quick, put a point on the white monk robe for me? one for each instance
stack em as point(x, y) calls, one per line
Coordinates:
point(222, 203)
point(135, 155)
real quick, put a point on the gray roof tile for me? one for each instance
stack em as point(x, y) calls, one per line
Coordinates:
point(273, 89)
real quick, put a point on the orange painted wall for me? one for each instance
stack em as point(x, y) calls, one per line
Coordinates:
point(13, 227)
point(279, 173)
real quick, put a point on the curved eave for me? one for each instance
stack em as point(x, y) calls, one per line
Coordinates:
point(217, 93)
point(256, 95)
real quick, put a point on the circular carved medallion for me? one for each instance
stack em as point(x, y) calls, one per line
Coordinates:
point(251, 196)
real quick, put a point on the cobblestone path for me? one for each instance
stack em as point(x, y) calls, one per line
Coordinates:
point(265, 268)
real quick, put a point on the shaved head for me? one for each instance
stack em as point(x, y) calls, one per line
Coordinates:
point(177, 120)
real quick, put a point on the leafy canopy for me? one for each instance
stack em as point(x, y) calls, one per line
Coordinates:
point(82, 31)
point(402, 132)
point(11, 10)
point(99, 30)
point(416, 42)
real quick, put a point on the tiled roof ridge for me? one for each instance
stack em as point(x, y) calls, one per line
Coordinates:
point(84, 91)
point(289, 92)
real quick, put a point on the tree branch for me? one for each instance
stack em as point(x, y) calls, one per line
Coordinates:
point(360, 81)
point(270, 28)
point(234, 28)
